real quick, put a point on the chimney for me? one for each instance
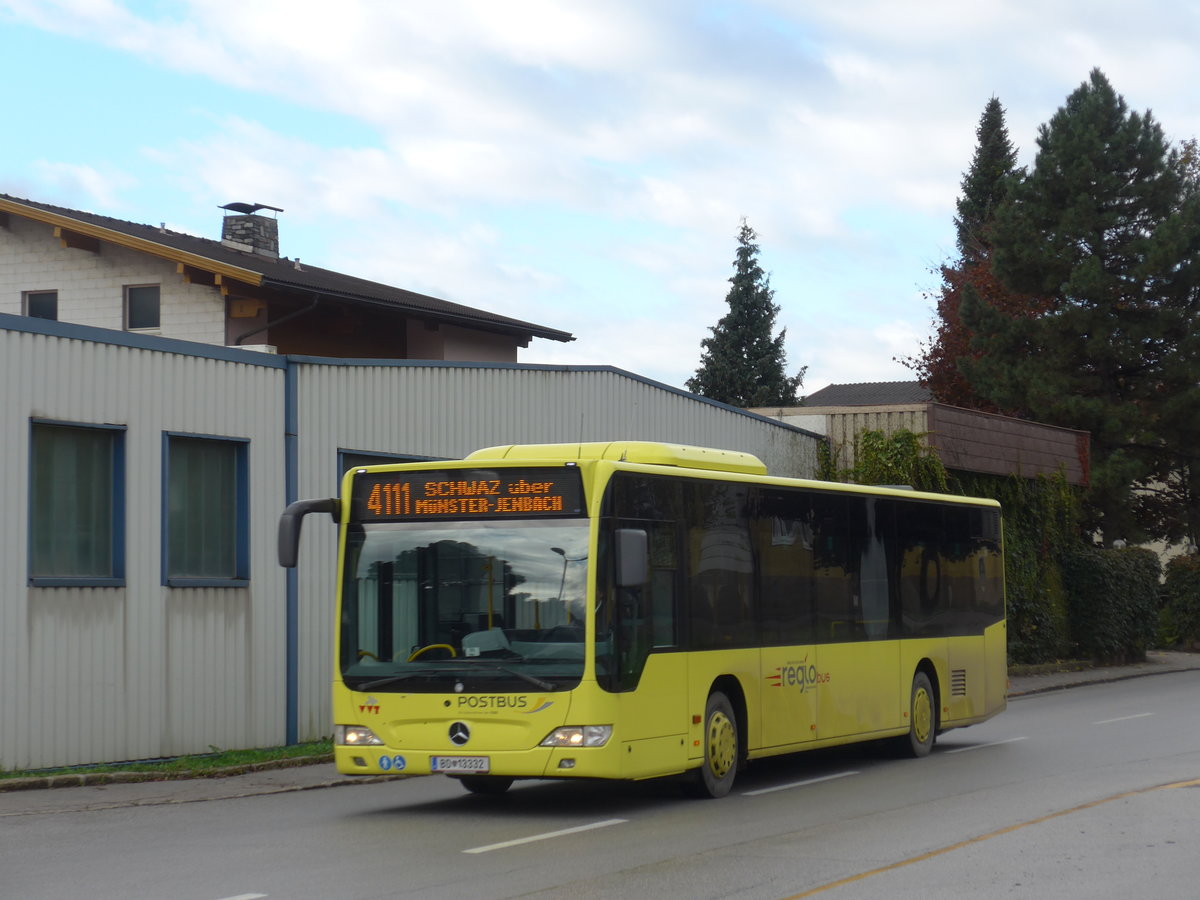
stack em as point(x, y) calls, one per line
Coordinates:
point(249, 232)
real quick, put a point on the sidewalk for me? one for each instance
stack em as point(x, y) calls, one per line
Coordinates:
point(36, 796)
point(1158, 662)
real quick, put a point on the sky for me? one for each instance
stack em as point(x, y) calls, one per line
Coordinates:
point(584, 166)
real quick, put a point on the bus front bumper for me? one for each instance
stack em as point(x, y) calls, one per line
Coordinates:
point(537, 762)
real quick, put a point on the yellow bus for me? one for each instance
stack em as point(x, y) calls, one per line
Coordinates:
point(633, 610)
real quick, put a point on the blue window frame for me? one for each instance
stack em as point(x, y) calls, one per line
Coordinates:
point(206, 511)
point(76, 504)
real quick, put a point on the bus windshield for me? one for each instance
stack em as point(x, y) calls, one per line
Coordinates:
point(493, 606)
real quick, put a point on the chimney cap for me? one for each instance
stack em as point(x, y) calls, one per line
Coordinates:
point(248, 209)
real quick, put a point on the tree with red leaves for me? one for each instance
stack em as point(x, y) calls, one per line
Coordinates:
point(984, 185)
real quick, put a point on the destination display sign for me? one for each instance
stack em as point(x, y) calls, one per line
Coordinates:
point(522, 493)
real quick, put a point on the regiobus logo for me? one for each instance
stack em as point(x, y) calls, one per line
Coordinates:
point(798, 674)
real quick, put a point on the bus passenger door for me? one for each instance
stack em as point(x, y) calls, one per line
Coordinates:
point(783, 544)
point(859, 683)
point(639, 658)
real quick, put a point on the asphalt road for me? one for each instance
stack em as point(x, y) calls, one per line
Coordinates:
point(1088, 793)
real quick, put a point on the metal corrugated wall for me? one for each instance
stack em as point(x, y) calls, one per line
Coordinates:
point(144, 670)
point(447, 410)
point(91, 674)
point(450, 410)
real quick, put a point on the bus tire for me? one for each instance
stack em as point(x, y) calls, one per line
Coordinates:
point(486, 784)
point(922, 718)
point(722, 749)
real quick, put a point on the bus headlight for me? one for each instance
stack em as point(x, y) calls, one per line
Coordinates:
point(355, 736)
point(578, 736)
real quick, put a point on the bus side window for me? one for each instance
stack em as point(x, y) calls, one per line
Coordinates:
point(663, 575)
point(876, 535)
point(835, 575)
point(783, 545)
point(720, 565)
point(920, 539)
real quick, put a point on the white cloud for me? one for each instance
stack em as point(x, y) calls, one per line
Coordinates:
point(101, 189)
point(850, 355)
point(841, 131)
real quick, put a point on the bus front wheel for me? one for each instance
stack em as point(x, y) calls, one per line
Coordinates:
point(721, 748)
point(922, 718)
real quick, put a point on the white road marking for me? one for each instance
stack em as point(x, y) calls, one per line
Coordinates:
point(796, 784)
point(246, 897)
point(545, 837)
point(1122, 719)
point(981, 746)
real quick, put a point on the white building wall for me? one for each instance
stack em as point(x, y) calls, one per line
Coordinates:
point(91, 285)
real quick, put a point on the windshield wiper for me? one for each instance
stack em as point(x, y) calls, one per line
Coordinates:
point(403, 676)
point(524, 676)
point(391, 679)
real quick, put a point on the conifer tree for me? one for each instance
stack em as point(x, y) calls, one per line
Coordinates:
point(984, 184)
point(1105, 228)
point(741, 363)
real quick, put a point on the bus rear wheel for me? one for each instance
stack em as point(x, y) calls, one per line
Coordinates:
point(922, 718)
point(485, 784)
point(721, 749)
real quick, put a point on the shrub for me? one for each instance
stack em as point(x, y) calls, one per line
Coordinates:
point(1113, 602)
point(1040, 527)
point(1181, 600)
point(882, 458)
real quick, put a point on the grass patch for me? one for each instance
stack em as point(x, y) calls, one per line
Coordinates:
point(218, 762)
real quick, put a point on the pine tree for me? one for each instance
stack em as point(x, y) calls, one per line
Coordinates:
point(984, 185)
point(1170, 499)
point(1104, 228)
point(741, 363)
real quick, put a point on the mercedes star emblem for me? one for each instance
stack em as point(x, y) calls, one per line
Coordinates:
point(459, 733)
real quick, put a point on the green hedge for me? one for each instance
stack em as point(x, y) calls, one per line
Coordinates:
point(1181, 601)
point(1113, 602)
point(1041, 518)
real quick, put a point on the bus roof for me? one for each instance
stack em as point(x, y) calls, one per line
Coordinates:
point(699, 459)
point(644, 452)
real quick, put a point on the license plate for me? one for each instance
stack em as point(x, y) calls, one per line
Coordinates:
point(468, 764)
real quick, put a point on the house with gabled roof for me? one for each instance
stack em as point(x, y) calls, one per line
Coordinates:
point(238, 291)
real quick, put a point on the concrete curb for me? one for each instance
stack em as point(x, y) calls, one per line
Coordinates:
point(90, 779)
point(1157, 662)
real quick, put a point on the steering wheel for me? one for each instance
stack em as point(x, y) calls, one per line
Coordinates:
point(421, 650)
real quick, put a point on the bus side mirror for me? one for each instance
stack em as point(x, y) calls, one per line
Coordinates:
point(633, 557)
point(289, 526)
